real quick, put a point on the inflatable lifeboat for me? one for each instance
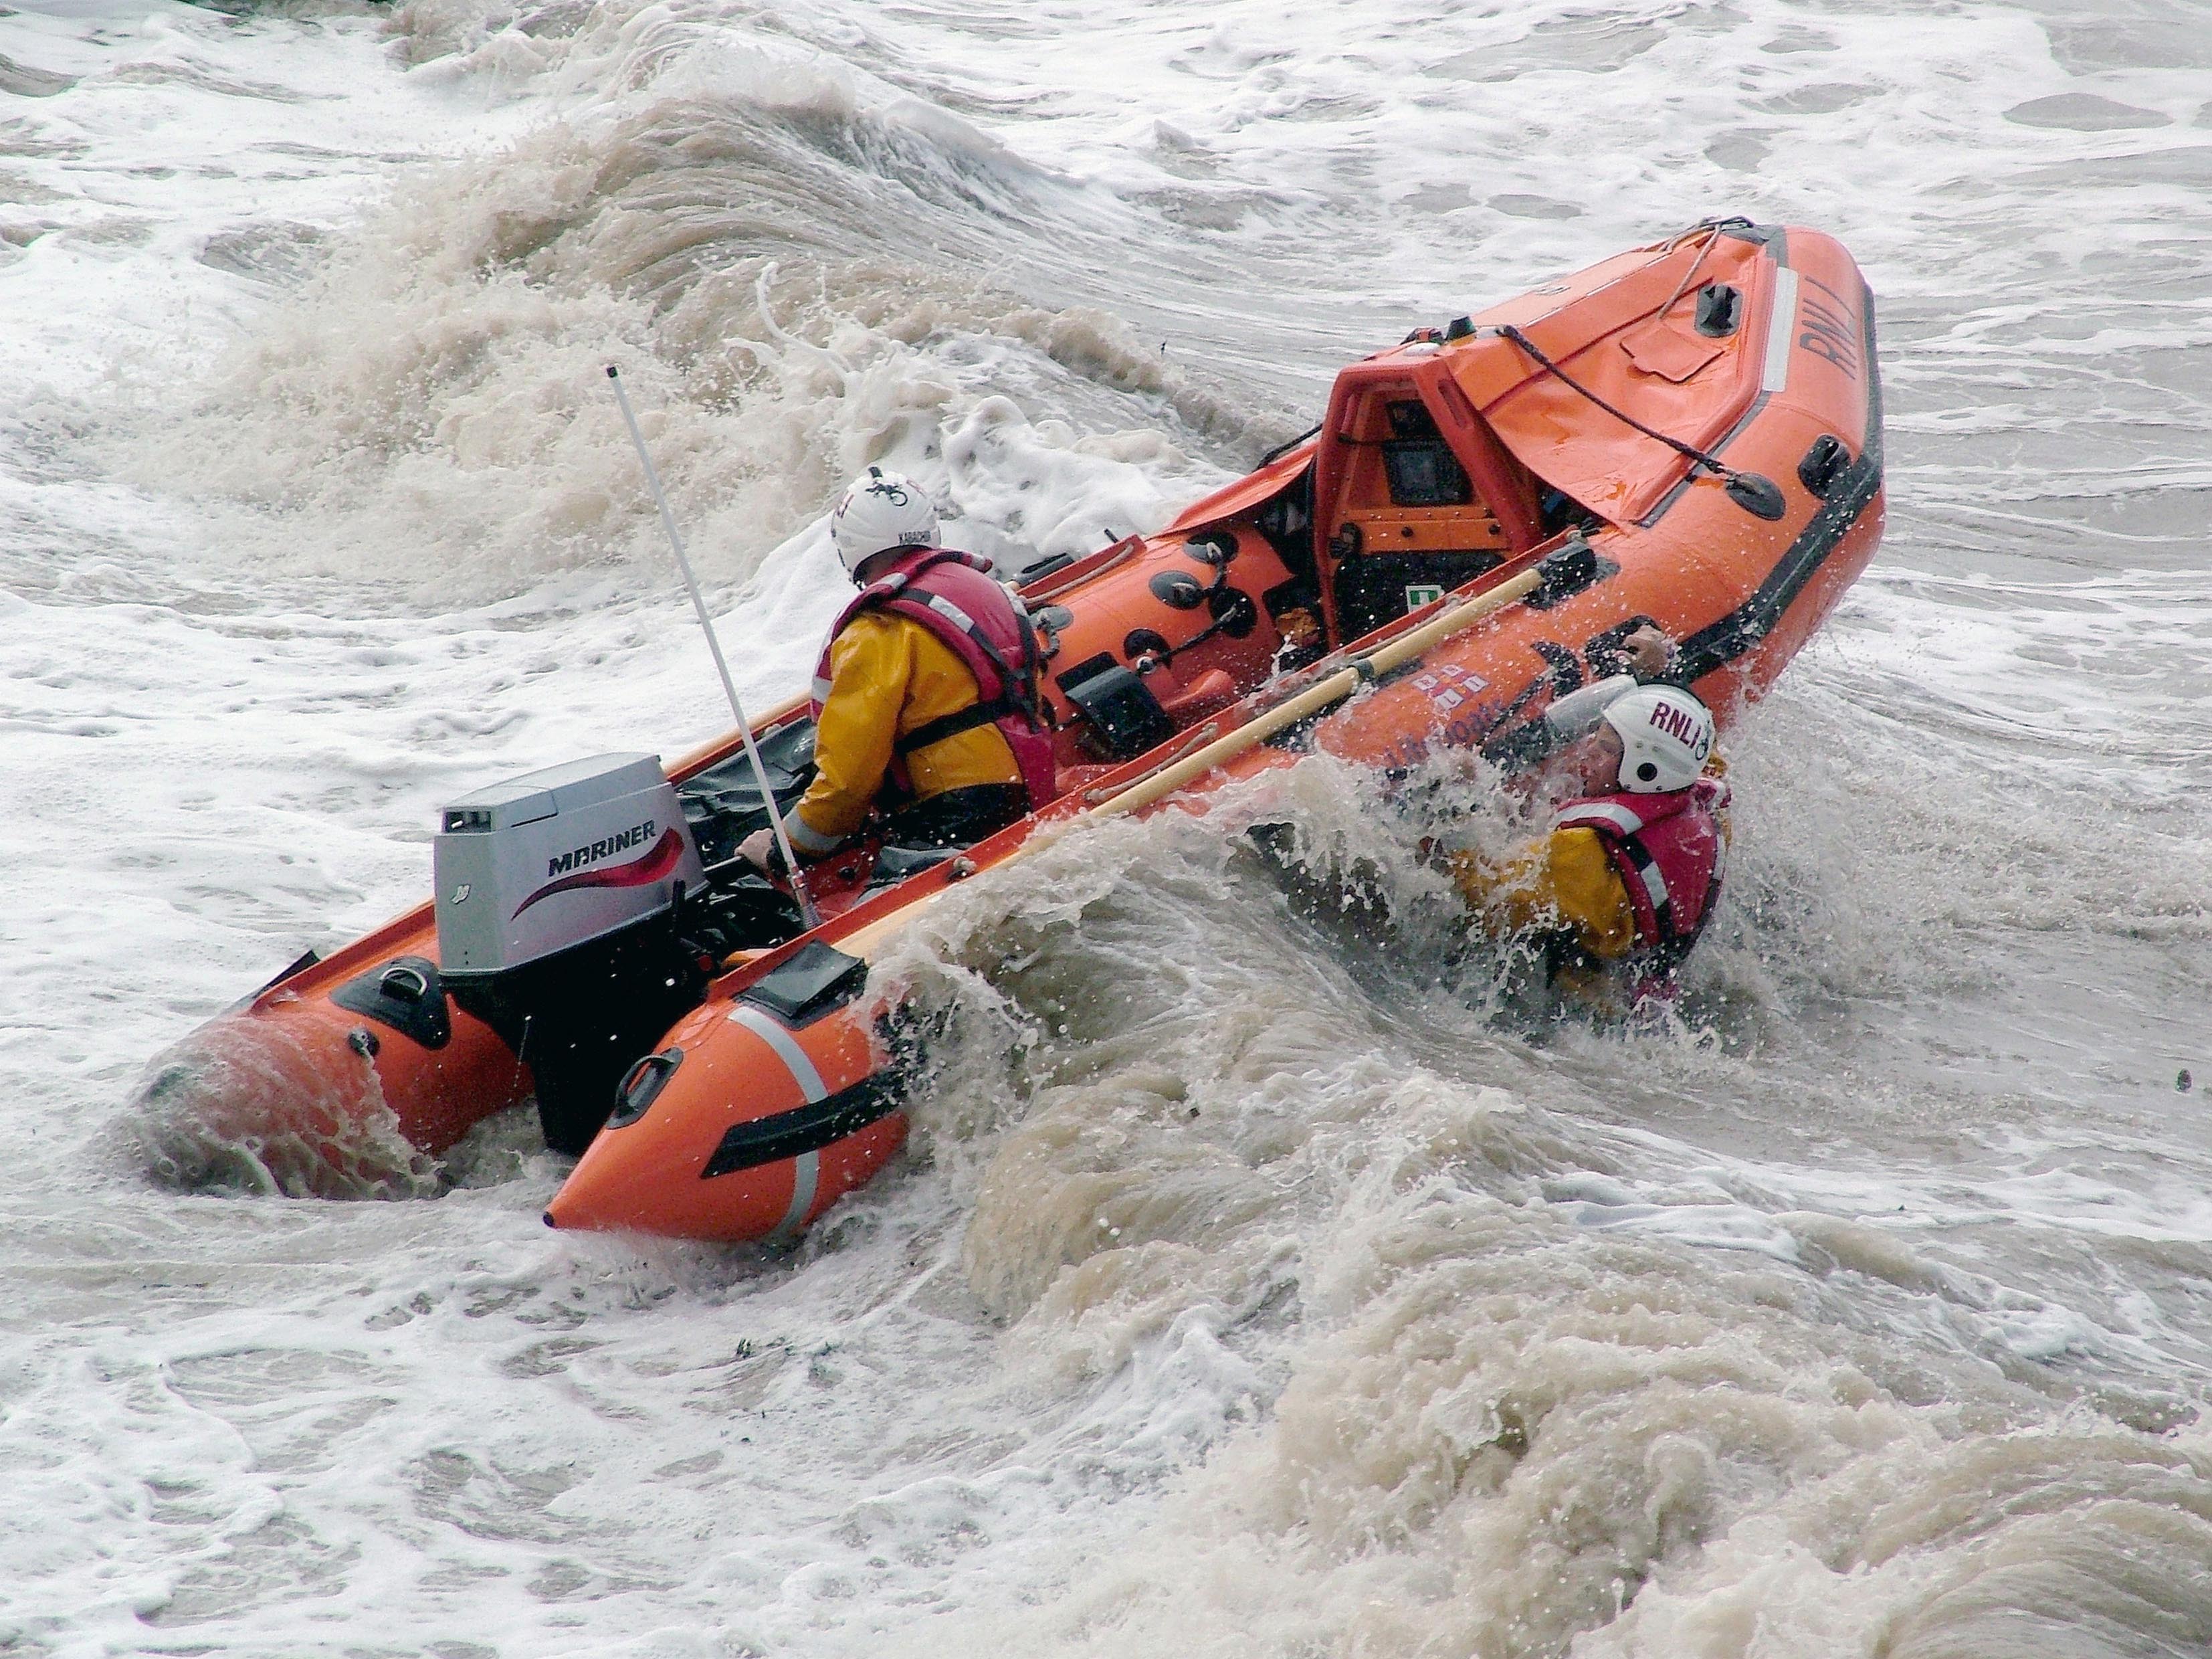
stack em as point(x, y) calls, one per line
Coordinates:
point(1686, 435)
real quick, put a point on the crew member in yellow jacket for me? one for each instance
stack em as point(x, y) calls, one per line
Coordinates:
point(1617, 890)
point(925, 700)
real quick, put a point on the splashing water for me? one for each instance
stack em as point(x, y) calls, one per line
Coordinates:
point(1256, 1282)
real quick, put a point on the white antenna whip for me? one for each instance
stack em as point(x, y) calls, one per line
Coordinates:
point(807, 909)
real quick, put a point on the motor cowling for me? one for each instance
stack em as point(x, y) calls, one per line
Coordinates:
point(555, 901)
point(536, 866)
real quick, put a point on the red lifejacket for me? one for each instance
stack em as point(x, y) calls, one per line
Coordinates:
point(1669, 850)
point(984, 624)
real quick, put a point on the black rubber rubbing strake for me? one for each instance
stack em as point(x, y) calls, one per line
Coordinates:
point(1852, 491)
point(807, 1128)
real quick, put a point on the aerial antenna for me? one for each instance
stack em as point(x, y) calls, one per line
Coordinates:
point(807, 909)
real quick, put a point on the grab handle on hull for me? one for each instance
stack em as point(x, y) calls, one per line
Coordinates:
point(641, 1084)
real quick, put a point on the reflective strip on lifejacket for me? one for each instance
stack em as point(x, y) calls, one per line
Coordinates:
point(1633, 855)
point(953, 614)
point(806, 1168)
point(820, 689)
point(1612, 812)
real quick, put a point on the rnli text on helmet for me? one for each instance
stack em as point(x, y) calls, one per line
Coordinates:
point(1681, 725)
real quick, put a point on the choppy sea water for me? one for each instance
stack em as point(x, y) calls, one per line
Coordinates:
point(1251, 1289)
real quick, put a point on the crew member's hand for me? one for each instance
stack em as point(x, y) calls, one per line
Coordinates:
point(1648, 652)
point(758, 849)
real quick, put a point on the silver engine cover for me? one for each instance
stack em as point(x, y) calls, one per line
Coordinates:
point(530, 867)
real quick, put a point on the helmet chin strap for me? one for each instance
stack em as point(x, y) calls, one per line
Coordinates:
point(868, 571)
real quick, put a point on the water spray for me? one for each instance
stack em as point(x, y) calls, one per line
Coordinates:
point(806, 910)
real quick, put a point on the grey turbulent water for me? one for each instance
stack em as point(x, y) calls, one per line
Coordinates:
point(1252, 1287)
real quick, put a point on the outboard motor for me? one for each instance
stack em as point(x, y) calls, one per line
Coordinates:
point(559, 896)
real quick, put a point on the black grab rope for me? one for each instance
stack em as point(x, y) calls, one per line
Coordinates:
point(1290, 444)
point(1752, 491)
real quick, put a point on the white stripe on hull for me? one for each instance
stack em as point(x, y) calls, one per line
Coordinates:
point(806, 1168)
point(1776, 372)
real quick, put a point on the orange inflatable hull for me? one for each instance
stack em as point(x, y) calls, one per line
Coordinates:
point(345, 1075)
point(1698, 423)
point(1448, 464)
point(294, 1091)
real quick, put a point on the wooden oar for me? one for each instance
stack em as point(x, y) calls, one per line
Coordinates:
point(1310, 701)
point(1315, 698)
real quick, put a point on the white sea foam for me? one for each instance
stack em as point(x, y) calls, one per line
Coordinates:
point(1251, 1286)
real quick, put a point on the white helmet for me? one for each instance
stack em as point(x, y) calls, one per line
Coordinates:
point(1665, 736)
point(881, 510)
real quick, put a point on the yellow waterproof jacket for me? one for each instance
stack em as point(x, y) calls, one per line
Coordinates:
point(1564, 879)
point(888, 675)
